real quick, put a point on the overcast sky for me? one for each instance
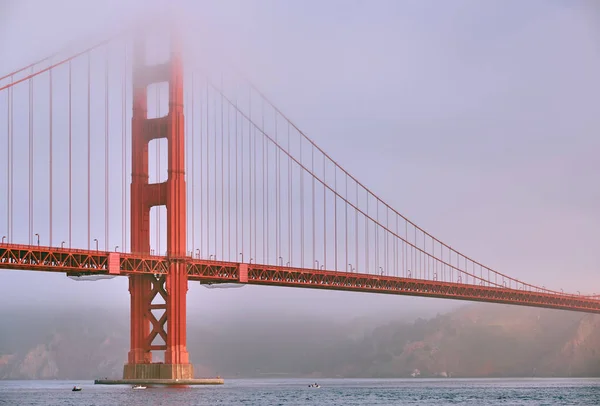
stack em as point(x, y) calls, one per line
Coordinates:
point(479, 121)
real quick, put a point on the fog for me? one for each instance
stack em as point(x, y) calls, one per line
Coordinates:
point(477, 120)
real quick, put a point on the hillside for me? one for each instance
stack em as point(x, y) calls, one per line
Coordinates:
point(475, 341)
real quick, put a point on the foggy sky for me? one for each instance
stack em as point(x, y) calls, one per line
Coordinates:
point(479, 121)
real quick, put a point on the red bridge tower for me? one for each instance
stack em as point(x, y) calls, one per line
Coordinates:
point(171, 289)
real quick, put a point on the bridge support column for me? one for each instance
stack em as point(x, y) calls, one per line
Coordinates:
point(170, 289)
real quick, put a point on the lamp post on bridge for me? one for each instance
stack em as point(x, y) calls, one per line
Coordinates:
point(62, 244)
point(3, 238)
point(96, 241)
point(38, 239)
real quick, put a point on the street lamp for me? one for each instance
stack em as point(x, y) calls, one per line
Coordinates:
point(210, 257)
point(96, 241)
point(198, 252)
point(62, 244)
point(317, 262)
point(3, 238)
point(116, 248)
point(38, 239)
point(242, 255)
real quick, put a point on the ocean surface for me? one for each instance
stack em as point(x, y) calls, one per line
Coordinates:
point(331, 392)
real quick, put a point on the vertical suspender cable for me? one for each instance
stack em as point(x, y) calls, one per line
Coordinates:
point(301, 206)
point(106, 156)
point(253, 189)
point(405, 250)
point(324, 213)
point(215, 170)
point(193, 228)
point(367, 235)
point(250, 165)
point(278, 197)
point(387, 243)
point(89, 151)
point(242, 200)
point(207, 172)
point(377, 235)
point(70, 159)
point(123, 151)
point(31, 160)
point(237, 251)
point(356, 230)
point(291, 254)
point(229, 233)
point(312, 169)
point(8, 160)
point(200, 175)
point(255, 193)
point(345, 219)
point(396, 248)
point(265, 176)
point(12, 162)
point(222, 178)
point(50, 158)
point(335, 230)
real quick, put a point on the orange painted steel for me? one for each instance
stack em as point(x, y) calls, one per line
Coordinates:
point(84, 262)
point(172, 193)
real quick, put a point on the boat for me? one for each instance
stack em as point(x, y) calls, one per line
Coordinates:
point(138, 387)
point(76, 389)
point(314, 385)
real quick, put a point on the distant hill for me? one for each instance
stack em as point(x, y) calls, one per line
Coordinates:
point(474, 341)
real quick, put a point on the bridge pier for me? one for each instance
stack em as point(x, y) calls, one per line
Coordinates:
point(158, 302)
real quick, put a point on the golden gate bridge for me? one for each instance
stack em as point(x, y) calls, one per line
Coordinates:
point(121, 160)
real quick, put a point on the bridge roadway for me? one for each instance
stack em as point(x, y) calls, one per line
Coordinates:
point(76, 262)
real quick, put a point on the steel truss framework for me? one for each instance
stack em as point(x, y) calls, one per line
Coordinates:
point(84, 262)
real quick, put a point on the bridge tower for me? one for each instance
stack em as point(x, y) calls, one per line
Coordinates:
point(158, 303)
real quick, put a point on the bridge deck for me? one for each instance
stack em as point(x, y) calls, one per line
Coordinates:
point(89, 262)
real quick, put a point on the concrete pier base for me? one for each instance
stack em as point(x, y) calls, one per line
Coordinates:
point(159, 374)
point(161, 382)
point(158, 371)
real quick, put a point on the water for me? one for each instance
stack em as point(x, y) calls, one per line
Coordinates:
point(332, 392)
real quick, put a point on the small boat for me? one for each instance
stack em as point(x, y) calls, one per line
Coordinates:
point(314, 385)
point(138, 387)
point(76, 389)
